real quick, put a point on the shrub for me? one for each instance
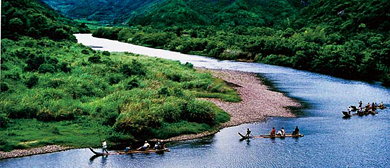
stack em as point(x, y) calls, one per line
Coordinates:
point(21, 110)
point(3, 120)
point(139, 125)
point(115, 78)
point(94, 59)
point(171, 110)
point(199, 111)
point(136, 68)
point(108, 113)
point(46, 68)
point(4, 87)
point(163, 91)
point(133, 83)
point(189, 65)
point(31, 81)
point(64, 67)
point(84, 51)
point(106, 53)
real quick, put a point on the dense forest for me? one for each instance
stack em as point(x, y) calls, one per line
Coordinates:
point(348, 39)
point(104, 11)
point(55, 91)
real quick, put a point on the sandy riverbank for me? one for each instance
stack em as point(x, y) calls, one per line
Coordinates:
point(258, 102)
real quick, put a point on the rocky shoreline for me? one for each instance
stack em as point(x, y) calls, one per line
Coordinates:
point(258, 103)
point(32, 151)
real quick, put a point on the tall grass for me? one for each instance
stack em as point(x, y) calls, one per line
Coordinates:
point(76, 93)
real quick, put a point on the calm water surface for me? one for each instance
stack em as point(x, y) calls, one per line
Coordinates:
point(329, 141)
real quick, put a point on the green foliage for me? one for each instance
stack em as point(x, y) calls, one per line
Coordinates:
point(356, 44)
point(199, 111)
point(4, 120)
point(31, 18)
point(48, 82)
point(31, 81)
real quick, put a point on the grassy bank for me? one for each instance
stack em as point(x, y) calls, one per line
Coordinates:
point(60, 92)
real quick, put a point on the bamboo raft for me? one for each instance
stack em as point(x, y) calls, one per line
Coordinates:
point(269, 136)
point(130, 152)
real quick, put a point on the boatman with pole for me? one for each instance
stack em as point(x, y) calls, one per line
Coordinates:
point(104, 144)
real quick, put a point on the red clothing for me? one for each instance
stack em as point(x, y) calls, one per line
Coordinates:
point(273, 131)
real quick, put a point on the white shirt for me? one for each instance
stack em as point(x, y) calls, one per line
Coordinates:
point(146, 145)
point(104, 144)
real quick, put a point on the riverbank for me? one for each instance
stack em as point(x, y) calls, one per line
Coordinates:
point(33, 151)
point(258, 102)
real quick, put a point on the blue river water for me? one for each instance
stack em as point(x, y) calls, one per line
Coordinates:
point(329, 141)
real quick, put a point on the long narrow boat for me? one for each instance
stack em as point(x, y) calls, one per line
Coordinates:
point(347, 114)
point(279, 136)
point(130, 151)
point(244, 137)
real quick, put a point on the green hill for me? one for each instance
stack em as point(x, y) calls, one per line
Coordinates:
point(348, 39)
point(56, 91)
point(35, 19)
point(106, 11)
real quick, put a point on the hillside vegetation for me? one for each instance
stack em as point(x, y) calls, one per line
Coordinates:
point(348, 39)
point(105, 11)
point(55, 91)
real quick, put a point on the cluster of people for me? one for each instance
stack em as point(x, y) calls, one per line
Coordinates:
point(282, 132)
point(368, 108)
point(144, 147)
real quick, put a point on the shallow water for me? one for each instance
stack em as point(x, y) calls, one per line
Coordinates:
point(329, 141)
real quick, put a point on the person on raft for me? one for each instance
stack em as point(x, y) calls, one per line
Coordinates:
point(296, 131)
point(104, 144)
point(159, 145)
point(144, 147)
point(248, 132)
point(381, 105)
point(282, 132)
point(360, 105)
point(272, 133)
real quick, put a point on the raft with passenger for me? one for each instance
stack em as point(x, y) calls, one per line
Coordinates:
point(280, 136)
point(270, 136)
point(130, 151)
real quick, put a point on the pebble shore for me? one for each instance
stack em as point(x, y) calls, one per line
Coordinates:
point(32, 151)
point(258, 103)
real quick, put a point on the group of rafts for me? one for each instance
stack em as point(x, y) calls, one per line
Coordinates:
point(360, 110)
point(273, 134)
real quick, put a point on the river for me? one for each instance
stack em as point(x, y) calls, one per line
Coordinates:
point(329, 141)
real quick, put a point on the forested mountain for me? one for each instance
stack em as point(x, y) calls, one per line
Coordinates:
point(107, 11)
point(181, 12)
point(35, 19)
point(219, 13)
point(348, 39)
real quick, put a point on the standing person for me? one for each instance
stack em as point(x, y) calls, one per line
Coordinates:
point(272, 133)
point(104, 144)
point(360, 104)
point(296, 131)
point(248, 132)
